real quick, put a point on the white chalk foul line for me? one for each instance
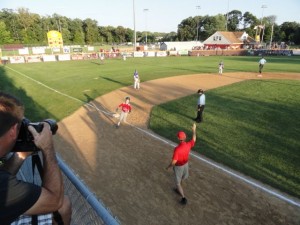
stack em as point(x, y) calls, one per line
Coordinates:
point(58, 92)
point(171, 144)
point(226, 170)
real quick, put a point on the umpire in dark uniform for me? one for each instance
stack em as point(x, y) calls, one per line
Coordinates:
point(200, 106)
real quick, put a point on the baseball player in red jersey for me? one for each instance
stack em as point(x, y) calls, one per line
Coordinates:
point(180, 161)
point(125, 109)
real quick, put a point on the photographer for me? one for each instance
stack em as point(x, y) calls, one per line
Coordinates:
point(20, 200)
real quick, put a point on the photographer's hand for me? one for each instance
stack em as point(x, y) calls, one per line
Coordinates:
point(42, 140)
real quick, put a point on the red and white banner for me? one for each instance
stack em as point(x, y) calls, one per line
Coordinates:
point(161, 54)
point(16, 59)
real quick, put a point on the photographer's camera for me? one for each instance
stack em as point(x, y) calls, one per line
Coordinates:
point(25, 139)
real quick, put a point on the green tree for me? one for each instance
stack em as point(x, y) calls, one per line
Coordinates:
point(249, 23)
point(106, 34)
point(297, 36)
point(290, 29)
point(63, 24)
point(129, 35)
point(120, 34)
point(26, 20)
point(249, 20)
point(10, 20)
point(5, 37)
point(76, 31)
point(90, 28)
point(36, 33)
point(170, 37)
point(234, 19)
point(269, 22)
point(210, 24)
point(187, 29)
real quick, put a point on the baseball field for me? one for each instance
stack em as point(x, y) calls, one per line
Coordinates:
point(251, 129)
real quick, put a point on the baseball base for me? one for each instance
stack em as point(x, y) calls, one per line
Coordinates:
point(116, 115)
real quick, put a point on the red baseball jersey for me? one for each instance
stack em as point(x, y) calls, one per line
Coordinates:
point(125, 107)
point(182, 151)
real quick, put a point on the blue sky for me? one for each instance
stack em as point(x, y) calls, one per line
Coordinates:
point(162, 15)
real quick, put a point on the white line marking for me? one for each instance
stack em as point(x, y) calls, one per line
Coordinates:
point(59, 92)
point(171, 144)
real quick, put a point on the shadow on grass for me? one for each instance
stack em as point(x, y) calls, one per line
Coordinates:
point(33, 111)
point(114, 81)
point(97, 63)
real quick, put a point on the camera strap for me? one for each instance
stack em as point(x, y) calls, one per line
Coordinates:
point(36, 162)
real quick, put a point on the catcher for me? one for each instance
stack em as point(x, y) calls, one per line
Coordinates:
point(126, 108)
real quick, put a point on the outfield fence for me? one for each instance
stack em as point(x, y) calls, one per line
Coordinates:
point(86, 208)
point(140, 54)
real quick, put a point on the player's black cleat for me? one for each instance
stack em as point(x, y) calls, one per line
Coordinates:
point(183, 201)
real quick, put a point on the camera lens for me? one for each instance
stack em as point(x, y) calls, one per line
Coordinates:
point(53, 125)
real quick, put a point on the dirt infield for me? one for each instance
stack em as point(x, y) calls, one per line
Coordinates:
point(125, 167)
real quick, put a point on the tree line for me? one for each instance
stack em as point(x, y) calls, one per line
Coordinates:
point(24, 27)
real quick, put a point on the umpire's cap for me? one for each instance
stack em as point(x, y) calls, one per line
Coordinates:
point(200, 91)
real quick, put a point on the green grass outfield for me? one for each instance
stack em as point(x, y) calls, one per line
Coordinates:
point(252, 126)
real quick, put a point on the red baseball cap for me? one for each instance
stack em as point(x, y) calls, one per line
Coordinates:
point(181, 135)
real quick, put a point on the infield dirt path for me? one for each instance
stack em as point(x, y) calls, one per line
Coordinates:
point(125, 167)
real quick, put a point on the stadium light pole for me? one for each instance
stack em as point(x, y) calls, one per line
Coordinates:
point(198, 7)
point(263, 27)
point(134, 25)
point(273, 19)
point(146, 11)
point(226, 25)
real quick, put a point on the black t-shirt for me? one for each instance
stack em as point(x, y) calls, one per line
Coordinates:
point(16, 197)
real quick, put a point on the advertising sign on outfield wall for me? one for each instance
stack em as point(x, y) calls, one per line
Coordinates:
point(172, 53)
point(91, 49)
point(38, 50)
point(65, 57)
point(161, 54)
point(24, 51)
point(33, 58)
point(183, 52)
point(149, 54)
point(16, 59)
point(138, 54)
point(55, 49)
point(66, 49)
point(296, 52)
point(77, 49)
point(49, 58)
